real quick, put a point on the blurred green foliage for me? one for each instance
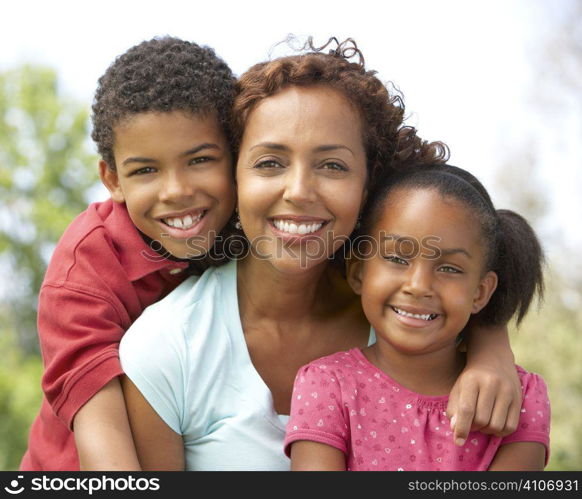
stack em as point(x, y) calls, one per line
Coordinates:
point(46, 170)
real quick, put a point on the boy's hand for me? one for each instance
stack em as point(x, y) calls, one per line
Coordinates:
point(487, 396)
point(486, 401)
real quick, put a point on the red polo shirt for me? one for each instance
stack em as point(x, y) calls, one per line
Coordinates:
point(100, 278)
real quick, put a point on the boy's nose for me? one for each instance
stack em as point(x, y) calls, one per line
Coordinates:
point(299, 185)
point(175, 187)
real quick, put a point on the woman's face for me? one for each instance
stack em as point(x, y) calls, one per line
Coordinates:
point(301, 176)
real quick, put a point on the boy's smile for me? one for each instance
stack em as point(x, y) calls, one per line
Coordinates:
point(173, 171)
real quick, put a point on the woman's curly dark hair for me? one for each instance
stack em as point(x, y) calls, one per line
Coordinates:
point(163, 74)
point(388, 143)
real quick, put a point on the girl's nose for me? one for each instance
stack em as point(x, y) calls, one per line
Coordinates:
point(418, 280)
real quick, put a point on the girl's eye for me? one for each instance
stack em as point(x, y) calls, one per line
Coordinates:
point(143, 171)
point(447, 269)
point(396, 259)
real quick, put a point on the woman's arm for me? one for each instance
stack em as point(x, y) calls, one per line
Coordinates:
point(487, 395)
point(102, 433)
point(314, 456)
point(158, 446)
point(519, 456)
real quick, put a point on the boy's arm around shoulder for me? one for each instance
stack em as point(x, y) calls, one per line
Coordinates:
point(102, 433)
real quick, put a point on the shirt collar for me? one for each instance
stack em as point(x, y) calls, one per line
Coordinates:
point(135, 255)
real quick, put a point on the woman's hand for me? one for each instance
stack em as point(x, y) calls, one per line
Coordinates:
point(487, 396)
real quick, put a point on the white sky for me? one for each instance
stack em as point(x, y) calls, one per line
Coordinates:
point(464, 67)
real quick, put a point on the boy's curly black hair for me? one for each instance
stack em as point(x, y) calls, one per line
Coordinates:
point(163, 74)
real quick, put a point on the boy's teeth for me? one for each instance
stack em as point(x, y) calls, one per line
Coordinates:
point(294, 228)
point(424, 317)
point(183, 222)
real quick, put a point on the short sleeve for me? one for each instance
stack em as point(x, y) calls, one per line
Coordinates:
point(317, 412)
point(534, 420)
point(153, 354)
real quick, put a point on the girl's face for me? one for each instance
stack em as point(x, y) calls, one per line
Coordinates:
point(426, 278)
point(301, 176)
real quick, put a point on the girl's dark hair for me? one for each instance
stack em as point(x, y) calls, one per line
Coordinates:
point(161, 75)
point(388, 143)
point(513, 251)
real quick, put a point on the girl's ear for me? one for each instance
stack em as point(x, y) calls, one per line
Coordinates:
point(110, 180)
point(354, 271)
point(484, 292)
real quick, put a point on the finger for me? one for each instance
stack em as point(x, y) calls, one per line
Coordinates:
point(499, 417)
point(484, 410)
point(453, 403)
point(465, 412)
point(512, 421)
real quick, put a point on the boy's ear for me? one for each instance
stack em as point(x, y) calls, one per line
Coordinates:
point(354, 270)
point(483, 293)
point(110, 180)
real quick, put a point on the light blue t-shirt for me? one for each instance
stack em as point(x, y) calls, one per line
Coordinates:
point(188, 357)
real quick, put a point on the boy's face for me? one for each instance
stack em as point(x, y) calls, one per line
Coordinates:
point(174, 174)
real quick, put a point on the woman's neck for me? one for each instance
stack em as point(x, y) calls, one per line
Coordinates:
point(431, 374)
point(268, 293)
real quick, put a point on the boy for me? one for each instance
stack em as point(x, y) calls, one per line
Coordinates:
point(160, 122)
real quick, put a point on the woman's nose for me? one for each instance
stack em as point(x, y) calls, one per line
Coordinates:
point(300, 185)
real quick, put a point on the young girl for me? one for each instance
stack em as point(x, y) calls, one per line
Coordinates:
point(436, 254)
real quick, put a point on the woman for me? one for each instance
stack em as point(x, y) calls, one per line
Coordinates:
point(212, 365)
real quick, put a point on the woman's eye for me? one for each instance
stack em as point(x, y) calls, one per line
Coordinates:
point(334, 166)
point(396, 259)
point(143, 171)
point(267, 164)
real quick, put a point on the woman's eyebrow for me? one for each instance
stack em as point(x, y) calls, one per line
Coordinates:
point(282, 147)
point(331, 147)
point(270, 145)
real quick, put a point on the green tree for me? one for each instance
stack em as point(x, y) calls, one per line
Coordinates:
point(46, 170)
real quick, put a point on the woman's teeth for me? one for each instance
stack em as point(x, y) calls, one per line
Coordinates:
point(424, 317)
point(293, 228)
point(183, 222)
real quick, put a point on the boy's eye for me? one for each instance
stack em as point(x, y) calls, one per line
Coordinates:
point(143, 171)
point(199, 160)
point(396, 259)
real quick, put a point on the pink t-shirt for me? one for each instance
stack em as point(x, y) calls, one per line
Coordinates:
point(343, 400)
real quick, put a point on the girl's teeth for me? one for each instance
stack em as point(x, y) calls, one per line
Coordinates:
point(183, 222)
point(293, 228)
point(424, 317)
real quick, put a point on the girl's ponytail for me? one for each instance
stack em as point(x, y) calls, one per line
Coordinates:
point(518, 263)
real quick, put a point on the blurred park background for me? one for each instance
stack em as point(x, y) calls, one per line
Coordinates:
point(499, 81)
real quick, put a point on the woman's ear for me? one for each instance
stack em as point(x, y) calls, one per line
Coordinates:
point(354, 270)
point(110, 180)
point(484, 292)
